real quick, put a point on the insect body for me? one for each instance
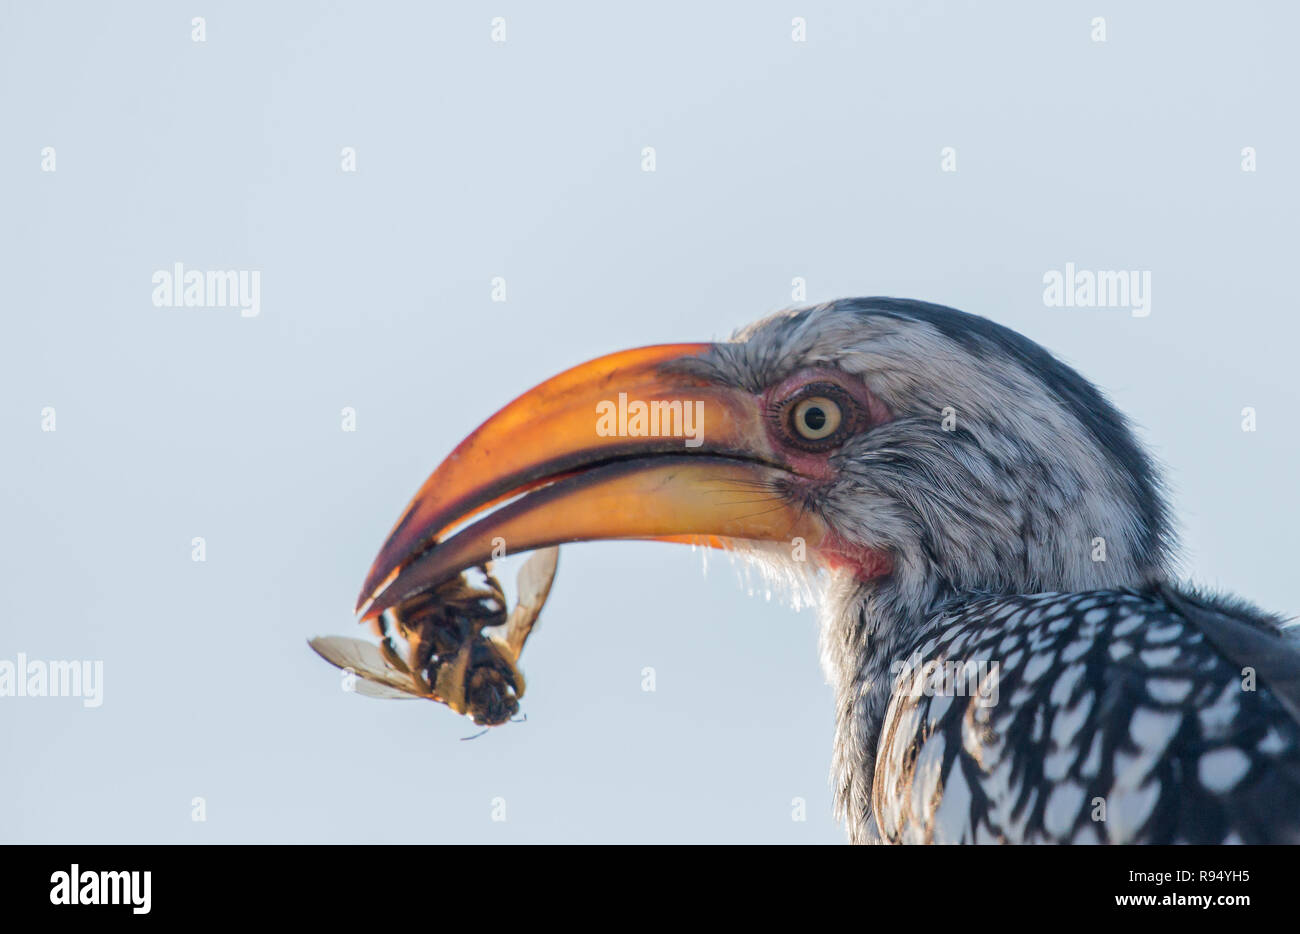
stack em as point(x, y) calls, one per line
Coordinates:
point(461, 647)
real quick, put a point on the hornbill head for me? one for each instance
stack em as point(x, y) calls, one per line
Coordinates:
point(910, 451)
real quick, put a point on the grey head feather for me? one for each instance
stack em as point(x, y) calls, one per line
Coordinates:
point(1013, 499)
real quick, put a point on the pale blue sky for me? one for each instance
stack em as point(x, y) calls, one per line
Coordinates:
point(775, 159)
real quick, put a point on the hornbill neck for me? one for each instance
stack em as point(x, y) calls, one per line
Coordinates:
point(867, 629)
point(864, 629)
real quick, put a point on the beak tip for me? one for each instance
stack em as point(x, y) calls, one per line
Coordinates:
point(364, 599)
point(375, 586)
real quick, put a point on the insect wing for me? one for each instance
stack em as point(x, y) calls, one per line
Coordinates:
point(534, 586)
point(377, 678)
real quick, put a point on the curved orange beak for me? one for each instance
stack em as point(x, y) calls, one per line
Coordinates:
point(625, 446)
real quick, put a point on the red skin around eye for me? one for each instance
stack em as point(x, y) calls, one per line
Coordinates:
point(815, 464)
point(865, 564)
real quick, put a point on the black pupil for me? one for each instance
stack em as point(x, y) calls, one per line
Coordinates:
point(814, 418)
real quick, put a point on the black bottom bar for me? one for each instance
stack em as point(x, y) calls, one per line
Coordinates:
point(393, 885)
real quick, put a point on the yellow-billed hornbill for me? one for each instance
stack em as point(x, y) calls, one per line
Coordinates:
point(1010, 657)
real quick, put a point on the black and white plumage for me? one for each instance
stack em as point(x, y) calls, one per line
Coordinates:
point(1110, 691)
point(1119, 719)
point(971, 505)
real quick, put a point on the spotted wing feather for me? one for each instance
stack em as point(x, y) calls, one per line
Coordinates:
point(1115, 718)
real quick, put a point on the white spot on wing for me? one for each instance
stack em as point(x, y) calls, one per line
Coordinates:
point(1035, 667)
point(1056, 764)
point(1160, 658)
point(1169, 690)
point(1093, 762)
point(1127, 810)
point(1066, 723)
point(1151, 731)
point(1272, 743)
point(1216, 718)
point(1076, 650)
point(1127, 625)
point(1221, 769)
point(1064, 686)
point(1063, 809)
point(1167, 633)
point(952, 817)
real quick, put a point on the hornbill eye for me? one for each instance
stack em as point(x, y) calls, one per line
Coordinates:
point(818, 416)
